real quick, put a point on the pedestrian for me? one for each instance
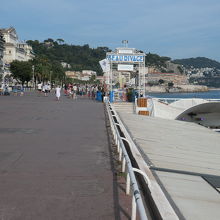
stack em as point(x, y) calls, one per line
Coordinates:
point(70, 93)
point(44, 89)
point(22, 91)
point(39, 88)
point(65, 89)
point(15, 90)
point(48, 87)
point(57, 92)
point(74, 92)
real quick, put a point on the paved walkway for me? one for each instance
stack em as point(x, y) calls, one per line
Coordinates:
point(54, 160)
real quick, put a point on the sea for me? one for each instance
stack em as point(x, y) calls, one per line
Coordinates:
point(212, 94)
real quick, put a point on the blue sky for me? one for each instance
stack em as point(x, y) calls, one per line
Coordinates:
point(174, 28)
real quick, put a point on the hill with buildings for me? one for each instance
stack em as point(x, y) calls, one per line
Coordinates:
point(201, 71)
point(77, 58)
point(80, 58)
point(198, 62)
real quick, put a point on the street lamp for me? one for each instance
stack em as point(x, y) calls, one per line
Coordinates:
point(125, 42)
point(50, 77)
point(33, 77)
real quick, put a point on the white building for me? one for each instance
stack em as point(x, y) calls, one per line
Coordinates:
point(2, 42)
point(89, 72)
point(85, 75)
point(14, 50)
point(65, 65)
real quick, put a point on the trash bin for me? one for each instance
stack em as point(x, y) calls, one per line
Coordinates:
point(99, 96)
point(142, 102)
point(111, 95)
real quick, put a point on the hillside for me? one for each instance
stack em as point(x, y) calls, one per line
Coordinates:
point(198, 62)
point(86, 58)
point(83, 57)
point(79, 57)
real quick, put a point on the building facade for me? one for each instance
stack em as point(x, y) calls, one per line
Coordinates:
point(83, 75)
point(13, 49)
point(2, 42)
point(168, 77)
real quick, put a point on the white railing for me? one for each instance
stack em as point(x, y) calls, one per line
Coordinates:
point(170, 100)
point(131, 182)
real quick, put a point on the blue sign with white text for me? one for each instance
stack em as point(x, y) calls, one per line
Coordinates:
point(126, 58)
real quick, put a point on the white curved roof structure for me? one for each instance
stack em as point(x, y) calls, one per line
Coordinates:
point(200, 111)
point(206, 114)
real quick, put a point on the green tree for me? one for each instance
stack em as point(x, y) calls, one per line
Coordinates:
point(60, 41)
point(155, 60)
point(49, 40)
point(48, 70)
point(21, 71)
point(79, 57)
point(161, 81)
point(170, 84)
point(92, 79)
point(180, 69)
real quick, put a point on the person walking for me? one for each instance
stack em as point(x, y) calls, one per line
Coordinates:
point(74, 92)
point(57, 92)
point(22, 91)
point(39, 88)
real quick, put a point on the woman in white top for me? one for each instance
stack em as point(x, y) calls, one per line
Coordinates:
point(57, 92)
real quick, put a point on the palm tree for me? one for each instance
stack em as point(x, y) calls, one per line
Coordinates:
point(60, 41)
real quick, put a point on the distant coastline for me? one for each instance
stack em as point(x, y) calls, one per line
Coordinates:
point(211, 94)
point(212, 89)
point(178, 89)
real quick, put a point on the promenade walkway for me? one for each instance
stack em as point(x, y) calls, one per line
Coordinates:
point(183, 159)
point(54, 160)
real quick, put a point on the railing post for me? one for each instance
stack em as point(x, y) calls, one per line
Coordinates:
point(120, 154)
point(128, 184)
point(134, 209)
point(123, 165)
point(118, 146)
point(116, 138)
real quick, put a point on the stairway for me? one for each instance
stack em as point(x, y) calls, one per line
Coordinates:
point(126, 107)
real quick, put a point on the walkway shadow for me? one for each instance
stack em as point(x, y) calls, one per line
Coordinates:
point(117, 186)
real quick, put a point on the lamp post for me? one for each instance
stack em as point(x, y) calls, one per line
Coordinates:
point(125, 42)
point(33, 77)
point(50, 77)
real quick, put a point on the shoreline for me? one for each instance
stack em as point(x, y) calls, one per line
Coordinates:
point(180, 89)
point(180, 92)
point(214, 89)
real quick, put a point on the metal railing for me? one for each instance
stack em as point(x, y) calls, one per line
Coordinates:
point(131, 182)
point(170, 100)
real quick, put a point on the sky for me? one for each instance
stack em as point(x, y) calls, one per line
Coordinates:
point(173, 28)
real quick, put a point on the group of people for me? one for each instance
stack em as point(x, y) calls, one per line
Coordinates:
point(70, 90)
point(16, 90)
point(44, 88)
point(73, 90)
point(90, 90)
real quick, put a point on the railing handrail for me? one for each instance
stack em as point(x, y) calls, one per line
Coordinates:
point(208, 99)
point(164, 208)
point(136, 192)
